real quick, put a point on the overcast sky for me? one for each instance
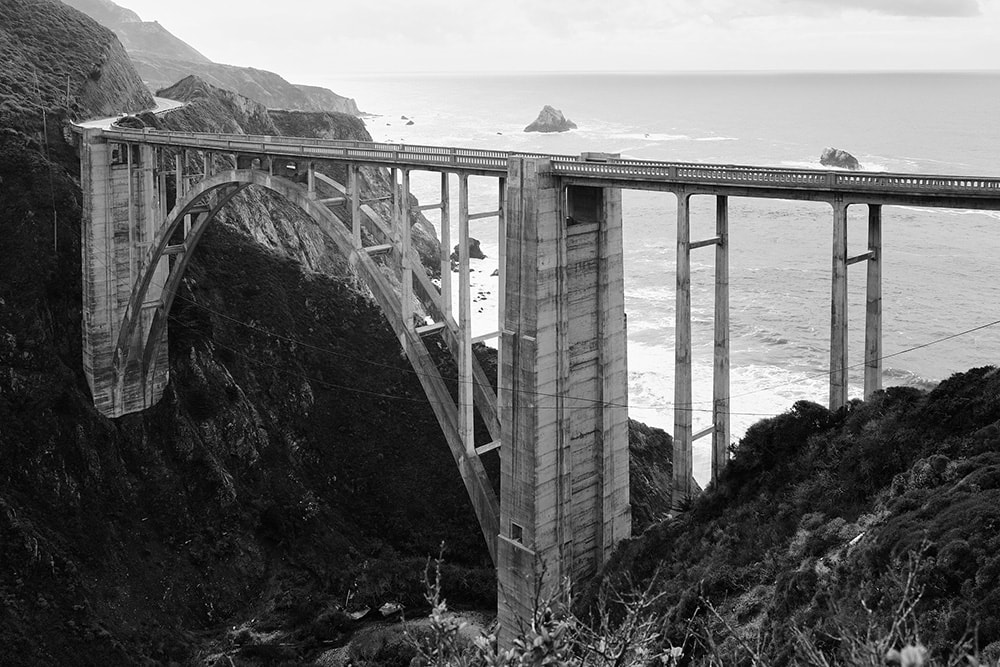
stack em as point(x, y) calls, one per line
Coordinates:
point(306, 40)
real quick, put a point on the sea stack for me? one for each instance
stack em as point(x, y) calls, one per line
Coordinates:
point(551, 120)
point(834, 157)
point(475, 251)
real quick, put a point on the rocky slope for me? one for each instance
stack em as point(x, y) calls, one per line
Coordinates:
point(57, 59)
point(889, 503)
point(293, 466)
point(162, 59)
point(270, 220)
point(135, 34)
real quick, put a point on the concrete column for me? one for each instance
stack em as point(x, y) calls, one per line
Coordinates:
point(180, 187)
point(466, 410)
point(720, 392)
point(354, 185)
point(564, 453)
point(446, 245)
point(311, 177)
point(161, 191)
point(873, 310)
point(502, 272)
point(682, 490)
point(406, 276)
point(838, 309)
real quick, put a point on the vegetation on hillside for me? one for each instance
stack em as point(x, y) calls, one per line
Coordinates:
point(818, 513)
point(57, 59)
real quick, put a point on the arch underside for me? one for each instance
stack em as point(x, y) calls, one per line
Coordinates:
point(140, 348)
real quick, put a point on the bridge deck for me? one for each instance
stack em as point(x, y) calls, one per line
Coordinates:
point(973, 192)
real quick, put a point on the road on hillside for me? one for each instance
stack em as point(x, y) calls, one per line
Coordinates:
point(163, 105)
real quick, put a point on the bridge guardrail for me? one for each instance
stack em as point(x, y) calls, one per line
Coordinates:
point(615, 168)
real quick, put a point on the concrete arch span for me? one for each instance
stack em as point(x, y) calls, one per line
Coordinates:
point(140, 363)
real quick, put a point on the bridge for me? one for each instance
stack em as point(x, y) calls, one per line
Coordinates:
point(559, 417)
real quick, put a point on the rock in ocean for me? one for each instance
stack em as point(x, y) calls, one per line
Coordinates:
point(834, 157)
point(551, 120)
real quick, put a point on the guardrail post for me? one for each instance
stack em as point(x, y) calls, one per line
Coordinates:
point(838, 308)
point(873, 314)
point(682, 490)
point(720, 402)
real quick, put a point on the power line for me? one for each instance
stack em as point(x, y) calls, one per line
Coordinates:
point(688, 408)
point(859, 364)
point(662, 406)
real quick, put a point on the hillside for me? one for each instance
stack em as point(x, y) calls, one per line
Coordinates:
point(57, 59)
point(162, 59)
point(293, 467)
point(894, 502)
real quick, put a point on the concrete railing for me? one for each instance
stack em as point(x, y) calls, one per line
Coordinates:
point(615, 169)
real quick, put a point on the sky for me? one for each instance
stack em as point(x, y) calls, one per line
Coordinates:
point(305, 40)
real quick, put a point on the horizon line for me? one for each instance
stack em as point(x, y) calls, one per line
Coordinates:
point(666, 72)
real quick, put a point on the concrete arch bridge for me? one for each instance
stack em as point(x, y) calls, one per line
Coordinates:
point(560, 420)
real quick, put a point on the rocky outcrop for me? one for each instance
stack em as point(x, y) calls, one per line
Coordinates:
point(271, 220)
point(325, 99)
point(215, 110)
point(834, 157)
point(550, 120)
point(94, 79)
point(162, 59)
point(136, 35)
point(651, 469)
point(319, 124)
point(105, 12)
point(475, 252)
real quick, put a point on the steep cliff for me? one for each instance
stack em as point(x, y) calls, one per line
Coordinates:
point(270, 220)
point(163, 59)
point(325, 99)
point(56, 58)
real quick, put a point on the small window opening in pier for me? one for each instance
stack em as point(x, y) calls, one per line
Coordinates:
point(583, 204)
point(516, 533)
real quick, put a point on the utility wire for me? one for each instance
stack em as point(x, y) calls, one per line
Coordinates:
point(662, 406)
point(859, 364)
point(688, 407)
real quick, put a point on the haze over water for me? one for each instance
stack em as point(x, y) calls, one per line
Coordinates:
point(941, 270)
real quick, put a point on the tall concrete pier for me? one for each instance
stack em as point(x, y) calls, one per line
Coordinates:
point(564, 500)
point(123, 208)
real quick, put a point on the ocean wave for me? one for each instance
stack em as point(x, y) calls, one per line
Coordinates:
point(651, 136)
point(905, 378)
point(661, 136)
point(815, 164)
point(952, 211)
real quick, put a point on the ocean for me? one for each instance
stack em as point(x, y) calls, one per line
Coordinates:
point(941, 268)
